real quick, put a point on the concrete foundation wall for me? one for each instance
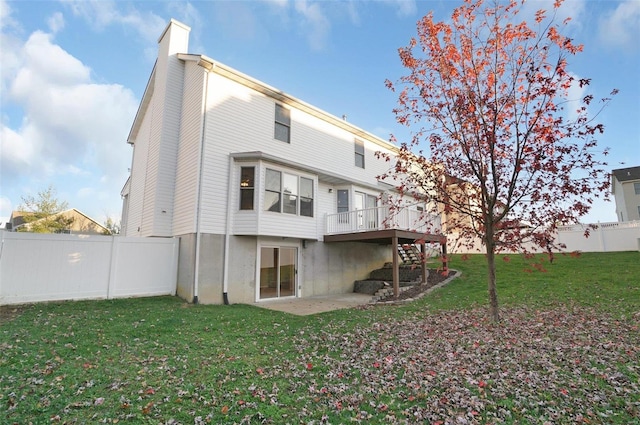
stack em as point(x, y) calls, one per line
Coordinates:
point(210, 268)
point(186, 265)
point(242, 269)
point(323, 268)
point(332, 268)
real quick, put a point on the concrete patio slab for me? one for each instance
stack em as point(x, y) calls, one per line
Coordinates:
point(314, 305)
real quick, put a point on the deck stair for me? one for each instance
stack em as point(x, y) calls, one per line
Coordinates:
point(410, 254)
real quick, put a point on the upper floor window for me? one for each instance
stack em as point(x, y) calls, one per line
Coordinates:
point(288, 193)
point(359, 151)
point(636, 188)
point(283, 124)
point(247, 185)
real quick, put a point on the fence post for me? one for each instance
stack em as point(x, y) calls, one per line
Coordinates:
point(603, 247)
point(113, 260)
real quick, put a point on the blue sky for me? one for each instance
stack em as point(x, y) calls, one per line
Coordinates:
point(72, 74)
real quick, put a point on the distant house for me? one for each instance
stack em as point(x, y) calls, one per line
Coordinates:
point(78, 223)
point(270, 196)
point(625, 186)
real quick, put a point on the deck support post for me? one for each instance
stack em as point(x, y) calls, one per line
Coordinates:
point(396, 270)
point(423, 261)
point(445, 260)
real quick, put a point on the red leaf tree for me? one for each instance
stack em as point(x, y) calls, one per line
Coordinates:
point(511, 156)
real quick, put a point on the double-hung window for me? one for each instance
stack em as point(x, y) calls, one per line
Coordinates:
point(636, 188)
point(272, 191)
point(282, 124)
point(247, 186)
point(359, 152)
point(306, 197)
point(290, 194)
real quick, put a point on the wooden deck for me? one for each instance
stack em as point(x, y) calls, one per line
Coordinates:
point(375, 225)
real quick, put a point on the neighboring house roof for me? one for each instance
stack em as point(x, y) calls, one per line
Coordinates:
point(17, 218)
point(626, 174)
point(82, 223)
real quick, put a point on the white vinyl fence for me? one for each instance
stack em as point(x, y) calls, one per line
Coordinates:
point(42, 267)
point(608, 237)
point(624, 236)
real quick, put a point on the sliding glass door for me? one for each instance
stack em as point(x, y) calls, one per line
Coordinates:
point(278, 267)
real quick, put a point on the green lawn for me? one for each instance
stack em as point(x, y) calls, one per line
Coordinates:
point(566, 351)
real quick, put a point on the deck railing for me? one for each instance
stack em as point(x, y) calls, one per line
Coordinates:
point(380, 218)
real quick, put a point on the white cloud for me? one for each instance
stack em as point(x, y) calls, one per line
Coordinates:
point(56, 22)
point(404, 7)
point(315, 21)
point(9, 57)
point(621, 27)
point(71, 125)
point(6, 21)
point(103, 13)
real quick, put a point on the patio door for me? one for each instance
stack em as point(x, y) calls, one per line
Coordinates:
point(278, 270)
point(367, 215)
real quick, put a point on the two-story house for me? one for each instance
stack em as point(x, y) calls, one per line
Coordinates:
point(625, 186)
point(270, 196)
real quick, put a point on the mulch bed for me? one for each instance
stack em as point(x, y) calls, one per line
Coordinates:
point(435, 277)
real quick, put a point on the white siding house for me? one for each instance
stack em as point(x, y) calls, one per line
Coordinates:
point(270, 196)
point(625, 186)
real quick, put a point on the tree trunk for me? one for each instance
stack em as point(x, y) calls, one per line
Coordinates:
point(494, 314)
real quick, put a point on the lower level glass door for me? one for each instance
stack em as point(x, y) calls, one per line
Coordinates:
point(278, 272)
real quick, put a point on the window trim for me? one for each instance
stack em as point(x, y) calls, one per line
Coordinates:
point(297, 194)
point(268, 190)
point(247, 189)
point(636, 188)
point(359, 153)
point(339, 208)
point(286, 124)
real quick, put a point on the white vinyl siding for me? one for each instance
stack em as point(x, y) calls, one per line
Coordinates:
point(325, 204)
point(168, 152)
point(186, 189)
point(314, 143)
point(151, 171)
point(138, 177)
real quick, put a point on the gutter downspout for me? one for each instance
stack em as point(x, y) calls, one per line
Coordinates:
point(196, 277)
point(227, 232)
